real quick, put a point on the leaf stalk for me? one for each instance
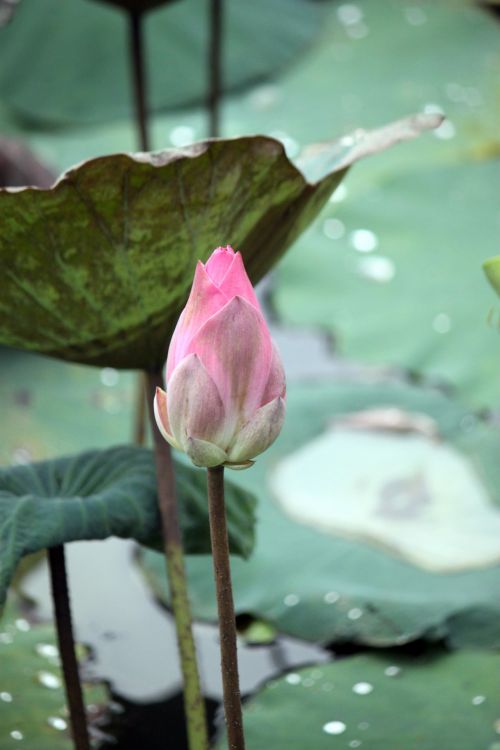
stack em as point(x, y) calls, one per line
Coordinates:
point(137, 59)
point(215, 66)
point(193, 699)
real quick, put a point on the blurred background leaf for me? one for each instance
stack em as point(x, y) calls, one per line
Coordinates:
point(394, 259)
point(77, 70)
point(397, 277)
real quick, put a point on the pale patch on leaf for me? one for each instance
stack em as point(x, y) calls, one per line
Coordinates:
point(419, 498)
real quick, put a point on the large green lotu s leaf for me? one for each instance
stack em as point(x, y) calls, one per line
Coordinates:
point(105, 493)
point(97, 268)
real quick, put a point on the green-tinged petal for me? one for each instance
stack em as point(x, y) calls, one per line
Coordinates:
point(203, 453)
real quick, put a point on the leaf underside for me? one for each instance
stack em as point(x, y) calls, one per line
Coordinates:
point(106, 493)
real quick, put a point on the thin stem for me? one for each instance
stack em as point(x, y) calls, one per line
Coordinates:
point(138, 80)
point(138, 75)
point(227, 623)
point(62, 610)
point(193, 699)
point(215, 67)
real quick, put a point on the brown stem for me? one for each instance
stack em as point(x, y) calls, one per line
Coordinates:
point(193, 699)
point(62, 611)
point(227, 623)
point(215, 67)
point(138, 75)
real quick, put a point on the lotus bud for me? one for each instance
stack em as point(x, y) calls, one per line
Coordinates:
point(225, 397)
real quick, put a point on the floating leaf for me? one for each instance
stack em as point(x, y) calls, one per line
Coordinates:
point(348, 577)
point(106, 493)
point(32, 698)
point(382, 702)
point(389, 489)
point(69, 86)
point(104, 260)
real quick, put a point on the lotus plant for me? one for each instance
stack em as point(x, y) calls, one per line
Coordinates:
point(224, 404)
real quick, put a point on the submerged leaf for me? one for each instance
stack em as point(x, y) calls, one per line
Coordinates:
point(98, 268)
point(105, 493)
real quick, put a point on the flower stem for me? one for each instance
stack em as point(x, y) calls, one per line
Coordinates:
point(193, 699)
point(62, 610)
point(215, 67)
point(227, 623)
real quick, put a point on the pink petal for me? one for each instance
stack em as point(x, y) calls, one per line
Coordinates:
point(195, 407)
point(258, 433)
point(204, 453)
point(237, 284)
point(235, 348)
point(161, 416)
point(276, 384)
point(218, 264)
point(204, 300)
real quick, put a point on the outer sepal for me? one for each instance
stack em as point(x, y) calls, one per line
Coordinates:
point(203, 453)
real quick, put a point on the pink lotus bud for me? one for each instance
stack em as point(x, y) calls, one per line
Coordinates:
point(225, 399)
